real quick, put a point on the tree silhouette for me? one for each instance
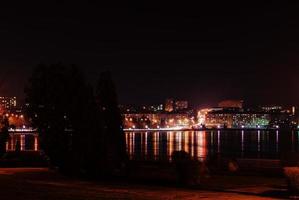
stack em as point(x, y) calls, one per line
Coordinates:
point(57, 95)
point(113, 135)
point(4, 134)
point(78, 132)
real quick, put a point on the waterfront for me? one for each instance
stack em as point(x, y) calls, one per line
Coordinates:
point(211, 144)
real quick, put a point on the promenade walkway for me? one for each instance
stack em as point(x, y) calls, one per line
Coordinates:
point(42, 184)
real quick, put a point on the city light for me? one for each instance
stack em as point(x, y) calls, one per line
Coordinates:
point(178, 100)
point(210, 118)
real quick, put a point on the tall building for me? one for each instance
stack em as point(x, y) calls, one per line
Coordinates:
point(181, 105)
point(169, 105)
point(175, 105)
point(8, 103)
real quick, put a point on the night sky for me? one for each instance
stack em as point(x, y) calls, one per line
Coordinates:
point(200, 52)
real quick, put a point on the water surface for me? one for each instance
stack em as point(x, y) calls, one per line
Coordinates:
point(204, 145)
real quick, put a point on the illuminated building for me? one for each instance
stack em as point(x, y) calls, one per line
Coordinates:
point(8, 103)
point(272, 108)
point(169, 105)
point(251, 120)
point(153, 108)
point(231, 104)
point(228, 119)
point(17, 120)
point(217, 120)
point(181, 105)
point(172, 105)
point(201, 115)
point(157, 120)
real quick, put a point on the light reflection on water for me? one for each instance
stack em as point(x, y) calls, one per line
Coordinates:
point(203, 145)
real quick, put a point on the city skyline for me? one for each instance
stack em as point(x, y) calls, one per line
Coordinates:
point(145, 100)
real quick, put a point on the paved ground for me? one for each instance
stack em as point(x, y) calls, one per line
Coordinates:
point(42, 184)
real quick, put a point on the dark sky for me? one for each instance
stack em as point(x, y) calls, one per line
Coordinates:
point(200, 52)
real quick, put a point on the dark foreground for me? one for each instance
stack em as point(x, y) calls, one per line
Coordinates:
point(43, 184)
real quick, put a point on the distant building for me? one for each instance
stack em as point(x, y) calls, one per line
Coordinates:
point(230, 119)
point(169, 105)
point(231, 104)
point(172, 105)
point(202, 114)
point(155, 108)
point(8, 103)
point(272, 108)
point(151, 108)
point(157, 120)
point(181, 105)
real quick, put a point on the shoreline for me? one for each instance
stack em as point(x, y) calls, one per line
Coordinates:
point(209, 129)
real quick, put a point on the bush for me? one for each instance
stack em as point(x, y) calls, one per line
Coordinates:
point(188, 170)
point(292, 176)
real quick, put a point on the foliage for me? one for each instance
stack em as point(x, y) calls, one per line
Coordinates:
point(51, 95)
point(4, 134)
point(74, 133)
point(113, 136)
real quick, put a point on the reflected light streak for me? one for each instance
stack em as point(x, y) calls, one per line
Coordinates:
point(258, 141)
point(218, 141)
point(169, 144)
point(145, 144)
point(178, 141)
point(192, 143)
point(277, 140)
point(242, 142)
point(186, 141)
point(156, 144)
point(35, 143)
point(22, 142)
point(201, 142)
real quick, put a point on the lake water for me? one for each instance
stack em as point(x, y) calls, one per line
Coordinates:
point(204, 145)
